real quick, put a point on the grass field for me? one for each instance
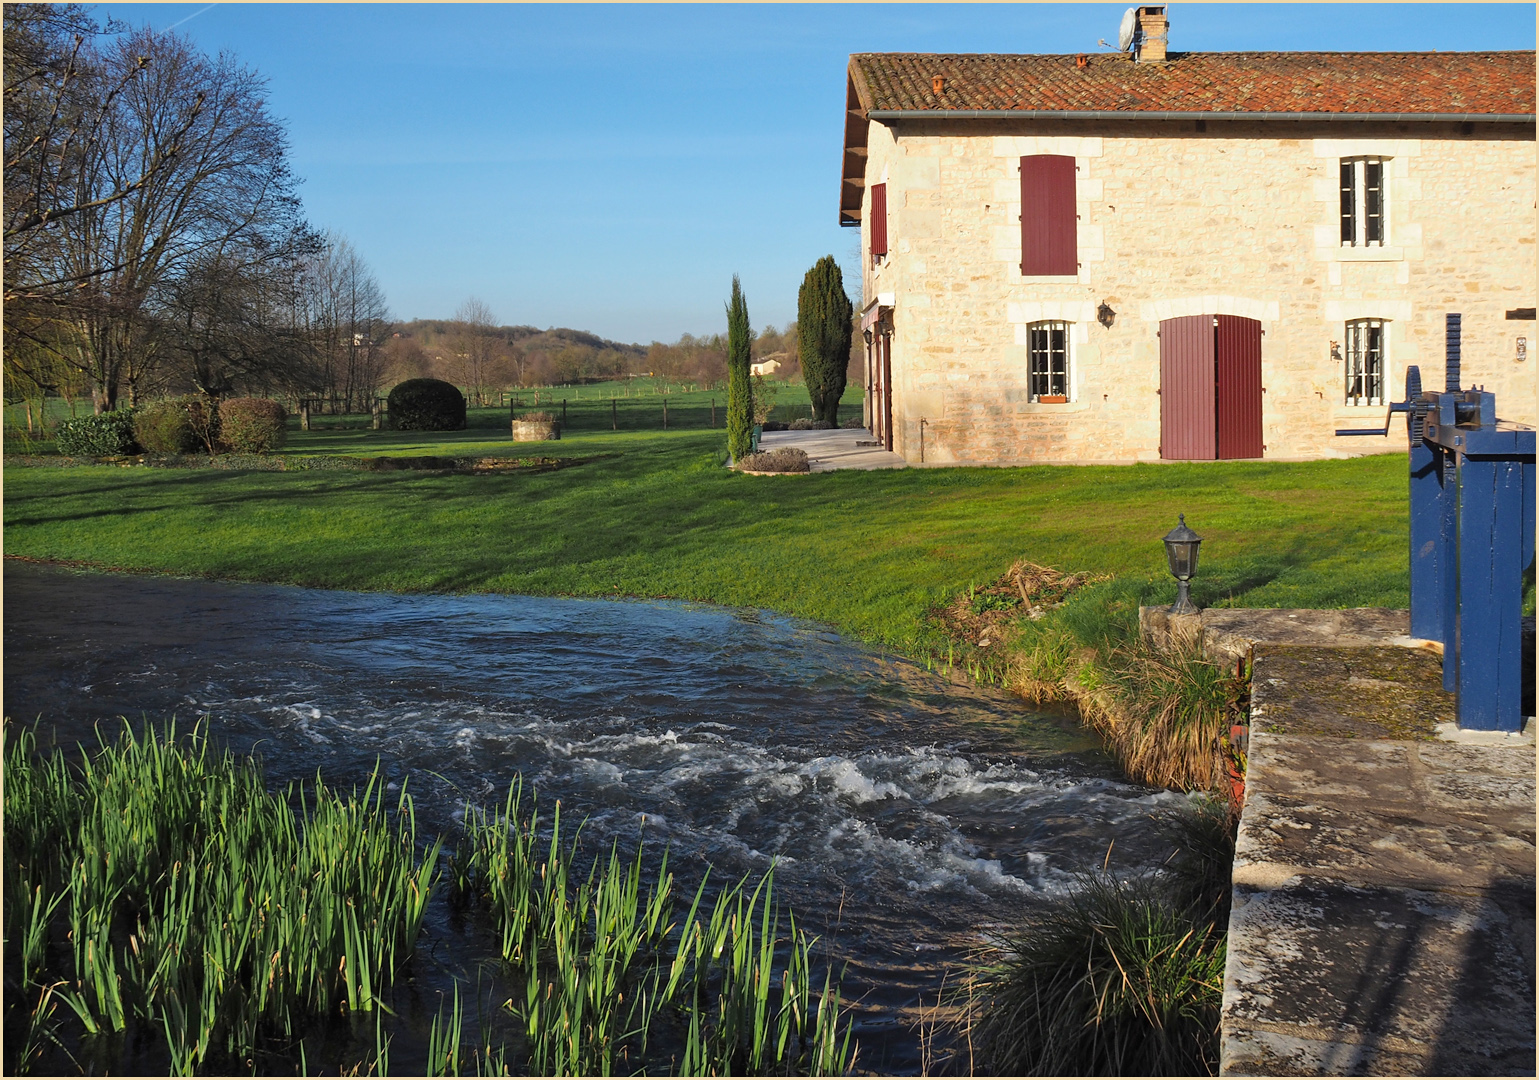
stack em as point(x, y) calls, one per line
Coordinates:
point(652, 513)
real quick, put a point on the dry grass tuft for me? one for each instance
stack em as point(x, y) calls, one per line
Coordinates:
point(984, 617)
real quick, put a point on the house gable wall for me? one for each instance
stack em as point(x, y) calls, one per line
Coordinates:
point(1241, 218)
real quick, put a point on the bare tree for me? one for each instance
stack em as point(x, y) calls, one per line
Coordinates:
point(474, 345)
point(345, 320)
point(179, 160)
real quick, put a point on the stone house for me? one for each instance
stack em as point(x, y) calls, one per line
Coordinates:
point(1146, 255)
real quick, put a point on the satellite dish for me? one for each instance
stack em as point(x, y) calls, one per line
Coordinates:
point(1125, 32)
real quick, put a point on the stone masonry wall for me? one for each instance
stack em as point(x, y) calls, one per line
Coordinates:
point(1241, 219)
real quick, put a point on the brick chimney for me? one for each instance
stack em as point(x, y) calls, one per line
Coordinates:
point(1153, 34)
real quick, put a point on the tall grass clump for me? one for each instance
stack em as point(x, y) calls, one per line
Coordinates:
point(1163, 712)
point(1119, 978)
point(161, 895)
point(609, 980)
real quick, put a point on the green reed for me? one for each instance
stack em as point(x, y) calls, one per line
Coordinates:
point(163, 897)
point(611, 982)
point(165, 891)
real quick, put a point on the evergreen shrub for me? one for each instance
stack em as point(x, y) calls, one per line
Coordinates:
point(104, 435)
point(824, 326)
point(427, 405)
point(252, 425)
point(740, 415)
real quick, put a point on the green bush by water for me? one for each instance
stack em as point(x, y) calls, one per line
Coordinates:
point(1119, 978)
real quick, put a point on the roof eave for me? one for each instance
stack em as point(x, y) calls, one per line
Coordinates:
point(1173, 114)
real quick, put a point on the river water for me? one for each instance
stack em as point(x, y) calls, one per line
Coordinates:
point(906, 814)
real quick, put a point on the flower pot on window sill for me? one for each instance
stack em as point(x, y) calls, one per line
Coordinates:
point(1052, 399)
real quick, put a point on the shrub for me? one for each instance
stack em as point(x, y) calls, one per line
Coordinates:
point(163, 427)
point(103, 435)
point(804, 423)
point(251, 425)
point(824, 324)
point(1115, 980)
point(784, 459)
point(763, 400)
point(774, 425)
point(427, 405)
point(740, 417)
point(853, 422)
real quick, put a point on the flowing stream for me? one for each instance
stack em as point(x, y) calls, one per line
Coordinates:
point(906, 814)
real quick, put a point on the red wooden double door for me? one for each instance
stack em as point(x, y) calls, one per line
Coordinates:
point(1210, 387)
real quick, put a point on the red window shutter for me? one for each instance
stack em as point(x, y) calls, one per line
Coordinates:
point(878, 219)
point(1047, 215)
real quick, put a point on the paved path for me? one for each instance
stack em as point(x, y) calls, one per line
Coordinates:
point(836, 449)
point(1383, 916)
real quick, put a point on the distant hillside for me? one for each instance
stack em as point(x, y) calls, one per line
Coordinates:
point(528, 338)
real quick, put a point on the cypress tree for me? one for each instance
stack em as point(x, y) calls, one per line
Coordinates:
point(739, 386)
point(824, 317)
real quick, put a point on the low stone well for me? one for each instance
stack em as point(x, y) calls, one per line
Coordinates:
point(536, 430)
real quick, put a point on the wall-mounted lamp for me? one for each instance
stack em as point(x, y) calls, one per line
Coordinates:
point(1105, 315)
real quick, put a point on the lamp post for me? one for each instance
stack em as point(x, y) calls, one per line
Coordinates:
point(1181, 553)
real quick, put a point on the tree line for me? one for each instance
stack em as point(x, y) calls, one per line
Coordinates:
point(154, 240)
point(482, 357)
point(155, 245)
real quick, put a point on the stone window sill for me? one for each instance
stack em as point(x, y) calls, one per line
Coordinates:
point(1369, 254)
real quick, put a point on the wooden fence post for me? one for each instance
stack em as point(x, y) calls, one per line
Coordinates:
point(614, 416)
point(713, 412)
point(665, 414)
point(304, 414)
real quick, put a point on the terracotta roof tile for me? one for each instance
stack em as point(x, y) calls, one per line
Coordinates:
point(1499, 83)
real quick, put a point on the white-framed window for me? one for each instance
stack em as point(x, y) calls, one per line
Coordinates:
point(1363, 201)
point(1364, 361)
point(1047, 351)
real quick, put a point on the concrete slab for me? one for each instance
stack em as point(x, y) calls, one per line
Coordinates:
point(828, 451)
point(1383, 914)
point(1226, 634)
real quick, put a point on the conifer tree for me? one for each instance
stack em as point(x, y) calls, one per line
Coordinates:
point(739, 386)
point(824, 317)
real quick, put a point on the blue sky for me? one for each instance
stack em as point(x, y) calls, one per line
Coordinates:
point(610, 167)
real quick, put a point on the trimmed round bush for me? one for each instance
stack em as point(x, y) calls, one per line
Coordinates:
point(252, 425)
point(104, 435)
point(163, 427)
point(427, 405)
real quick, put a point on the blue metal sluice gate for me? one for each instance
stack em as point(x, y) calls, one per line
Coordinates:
point(1472, 539)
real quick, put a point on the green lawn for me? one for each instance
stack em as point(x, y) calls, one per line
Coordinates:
point(652, 513)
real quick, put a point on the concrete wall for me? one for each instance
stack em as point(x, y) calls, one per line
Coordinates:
point(1240, 218)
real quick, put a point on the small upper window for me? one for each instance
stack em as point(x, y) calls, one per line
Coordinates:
point(1364, 362)
point(1048, 351)
point(1362, 202)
